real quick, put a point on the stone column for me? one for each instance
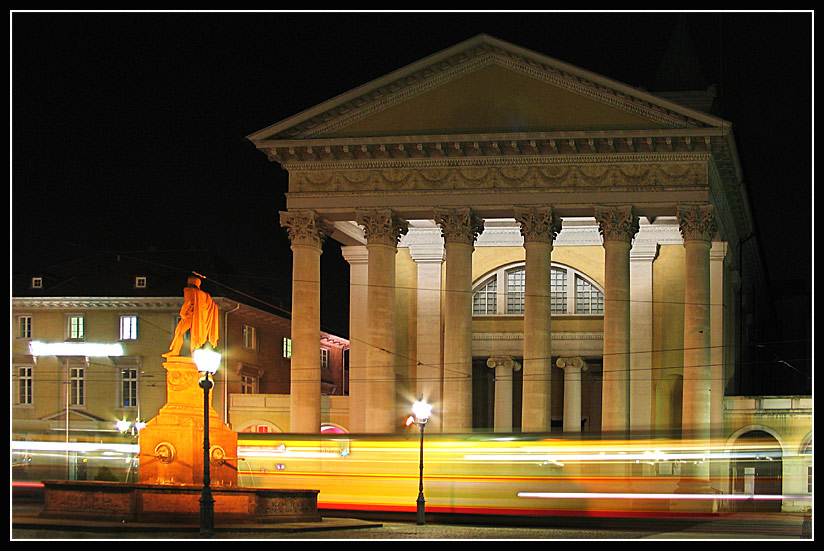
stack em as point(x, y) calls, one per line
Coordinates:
point(429, 261)
point(357, 257)
point(572, 391)
point(539, 226)
point(459, 227)
point(698, 229)
point(717, 324)
point(641, 257)
point(618, 225)
point(504, 366)
point(306, 231)
point(382, 228)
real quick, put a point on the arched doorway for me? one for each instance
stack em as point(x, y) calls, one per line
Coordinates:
point(756, 469)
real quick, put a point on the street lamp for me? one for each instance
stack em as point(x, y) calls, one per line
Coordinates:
point(420, 415)
point(207, 362)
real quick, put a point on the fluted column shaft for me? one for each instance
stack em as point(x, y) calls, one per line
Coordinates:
point(459, 228)
point(618, 225)
point(306, 231)
point(539, 226)
point(382, 229)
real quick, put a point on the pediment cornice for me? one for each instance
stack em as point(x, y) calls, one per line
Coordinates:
point(557, 146)
point(450, 64)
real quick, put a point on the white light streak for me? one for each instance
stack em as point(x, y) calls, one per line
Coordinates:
point(615, 495)
point(27, 445)
point(38, 348)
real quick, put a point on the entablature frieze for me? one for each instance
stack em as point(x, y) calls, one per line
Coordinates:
point(684, 172)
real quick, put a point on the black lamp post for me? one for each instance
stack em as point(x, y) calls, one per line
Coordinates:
point(421, 412)
point(207, 362)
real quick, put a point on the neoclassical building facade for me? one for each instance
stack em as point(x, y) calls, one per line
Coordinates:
point(531, 246)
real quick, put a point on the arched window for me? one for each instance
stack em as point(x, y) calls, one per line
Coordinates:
point(485, 298)
point(502, 292)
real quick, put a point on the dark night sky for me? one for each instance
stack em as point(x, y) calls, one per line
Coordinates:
point(128, 129)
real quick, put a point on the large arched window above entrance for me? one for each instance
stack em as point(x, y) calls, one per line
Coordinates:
point(502, 292)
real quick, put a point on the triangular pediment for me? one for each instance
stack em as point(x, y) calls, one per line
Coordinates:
point(485, 86)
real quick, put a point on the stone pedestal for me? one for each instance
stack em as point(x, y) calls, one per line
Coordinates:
point(173, 504)
point(171, 444)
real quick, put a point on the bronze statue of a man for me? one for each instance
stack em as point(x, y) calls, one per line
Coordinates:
point(199, 316)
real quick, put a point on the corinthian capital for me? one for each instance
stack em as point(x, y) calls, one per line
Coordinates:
point(538, 223)
point(305, 227)
point(697, 222)
point(459, 225)
point(382, 226)
point(616, 223)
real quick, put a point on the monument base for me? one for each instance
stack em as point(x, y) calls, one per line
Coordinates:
point(170, 504)
point(171, 444)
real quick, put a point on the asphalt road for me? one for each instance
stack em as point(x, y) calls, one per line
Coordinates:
point(26, 525)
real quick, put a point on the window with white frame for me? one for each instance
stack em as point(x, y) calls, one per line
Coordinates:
point(324, 358)
point(23, 379)
point(287, 347)
point(515, 289)
point(502, 292)
point(558, 291)
point(24, 327)
point(77, 384)
point(249, 337)
point(75, 327)
point(485, 299)
point(248, 384)
point(128, 387)
point(128, 327)
point(588, 298)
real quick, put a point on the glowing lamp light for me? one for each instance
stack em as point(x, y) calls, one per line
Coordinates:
point(206, 360)
point(123, 425)
point(421, 410)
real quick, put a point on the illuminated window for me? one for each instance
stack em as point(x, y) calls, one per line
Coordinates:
point(75, 327)
point(128, 387)
point(287, 347)
point(128, 328)
point(503, 292)
point(23, 327)
point(249, 337)
point(37, 283)
point(140, 282)
point(324, 358)
point(24, 383)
